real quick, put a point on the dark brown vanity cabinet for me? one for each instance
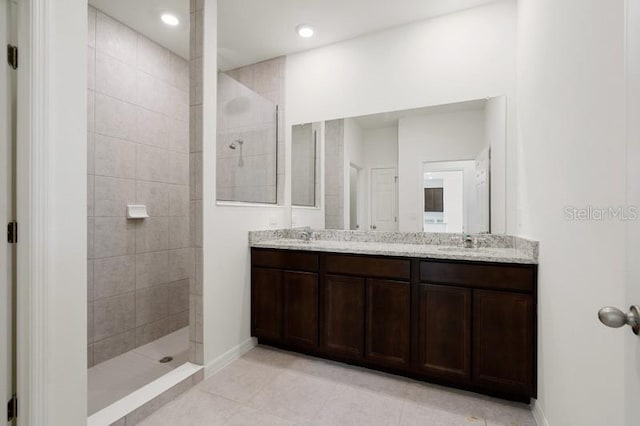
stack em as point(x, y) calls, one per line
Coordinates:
point(284, 298)
point(467, 324)
point(444, 331)
point(343, 316)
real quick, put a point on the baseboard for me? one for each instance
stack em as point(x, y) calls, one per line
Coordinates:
point(538, 414)
point(229, 356)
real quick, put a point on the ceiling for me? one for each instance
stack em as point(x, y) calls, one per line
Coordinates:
point(390, 119)
point(250, 31)
point(144, 17)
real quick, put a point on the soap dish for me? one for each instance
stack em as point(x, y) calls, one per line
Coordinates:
point(137, 211)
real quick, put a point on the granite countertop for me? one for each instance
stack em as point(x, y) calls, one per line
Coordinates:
point(499, 249)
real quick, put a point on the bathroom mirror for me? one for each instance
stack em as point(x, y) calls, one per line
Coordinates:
point(433, 169)
point(305, 170)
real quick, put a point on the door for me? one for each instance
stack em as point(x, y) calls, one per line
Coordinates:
point(384, 200)
point(266, 303)
point(632, 342)
point(388, 322)
point(7, 211)
point(444, 331)
point(301, 309)
point(343, 316)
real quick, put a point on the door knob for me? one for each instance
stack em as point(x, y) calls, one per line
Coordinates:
point(615, 318)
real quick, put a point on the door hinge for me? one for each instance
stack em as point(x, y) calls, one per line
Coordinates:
point(12, 232)
point(12, 56)
point(12, 408)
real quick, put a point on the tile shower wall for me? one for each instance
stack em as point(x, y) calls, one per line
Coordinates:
point(305, 173)
point(246, 144)
point(268, 80)
point(138, 153)
point(334, 182)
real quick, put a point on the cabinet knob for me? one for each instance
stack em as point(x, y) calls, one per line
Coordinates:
point(615, 318)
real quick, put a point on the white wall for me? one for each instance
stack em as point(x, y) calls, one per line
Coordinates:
point(432, 137)
point(423, 64)
point(226, 274)
point(572, 153)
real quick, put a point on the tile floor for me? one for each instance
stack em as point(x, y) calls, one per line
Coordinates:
point(119, 376)
point(271, 387)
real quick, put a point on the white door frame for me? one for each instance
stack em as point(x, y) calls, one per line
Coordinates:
point(51, 212)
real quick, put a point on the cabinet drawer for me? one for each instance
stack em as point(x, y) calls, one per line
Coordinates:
point(374, 267)
point(499, 277)
point(284, 259)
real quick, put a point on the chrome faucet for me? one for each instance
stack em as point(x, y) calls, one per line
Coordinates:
point(307, 235)
point(468, 241)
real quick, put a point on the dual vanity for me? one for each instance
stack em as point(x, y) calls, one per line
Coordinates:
point(415, 304)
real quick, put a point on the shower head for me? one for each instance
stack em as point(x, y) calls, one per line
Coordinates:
point(234, 144)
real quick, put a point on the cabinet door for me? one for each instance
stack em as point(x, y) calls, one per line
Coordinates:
point(388, 322)
point(444, 331)
point(301, 309)
point(266, 303)
point(503, 341)
point(343, 316)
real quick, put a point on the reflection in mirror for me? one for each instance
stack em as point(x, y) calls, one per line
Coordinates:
point(456, 196)
point(433, 169)
point(354, 196)
point(246, 161)
point(305, 179)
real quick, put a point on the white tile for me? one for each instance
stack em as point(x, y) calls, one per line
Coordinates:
point(154, 59)
point(112, 195)
point(91, 21)
point(178, 200)
point(115, 78)
point(179, 168)
point(152, 164)
point(115, 39)
point(113, 236)
point(240, 381)
point(152, 234)
point(155, 196)
point(91, 111)
point(151, 269)
point(294, 396)
point(153, 128)
point(117, 377)
point(115, 118)
point(170, 345)
point(355, 406)
point(91, 68)
point(153, 93)
point(417, 415)
point(113, 276)
point(114, 157)
point(194, 408)
point(248, 416)
point(91, 145)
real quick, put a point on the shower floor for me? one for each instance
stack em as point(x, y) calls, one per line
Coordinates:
point(118, 377)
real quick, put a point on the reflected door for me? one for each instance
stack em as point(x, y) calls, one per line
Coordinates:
point(383, 200)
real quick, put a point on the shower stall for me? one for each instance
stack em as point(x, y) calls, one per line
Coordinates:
point(247, 144)
point(139, 270)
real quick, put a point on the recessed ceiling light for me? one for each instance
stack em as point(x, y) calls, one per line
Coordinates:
point(170, 19)
point(305, 30)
